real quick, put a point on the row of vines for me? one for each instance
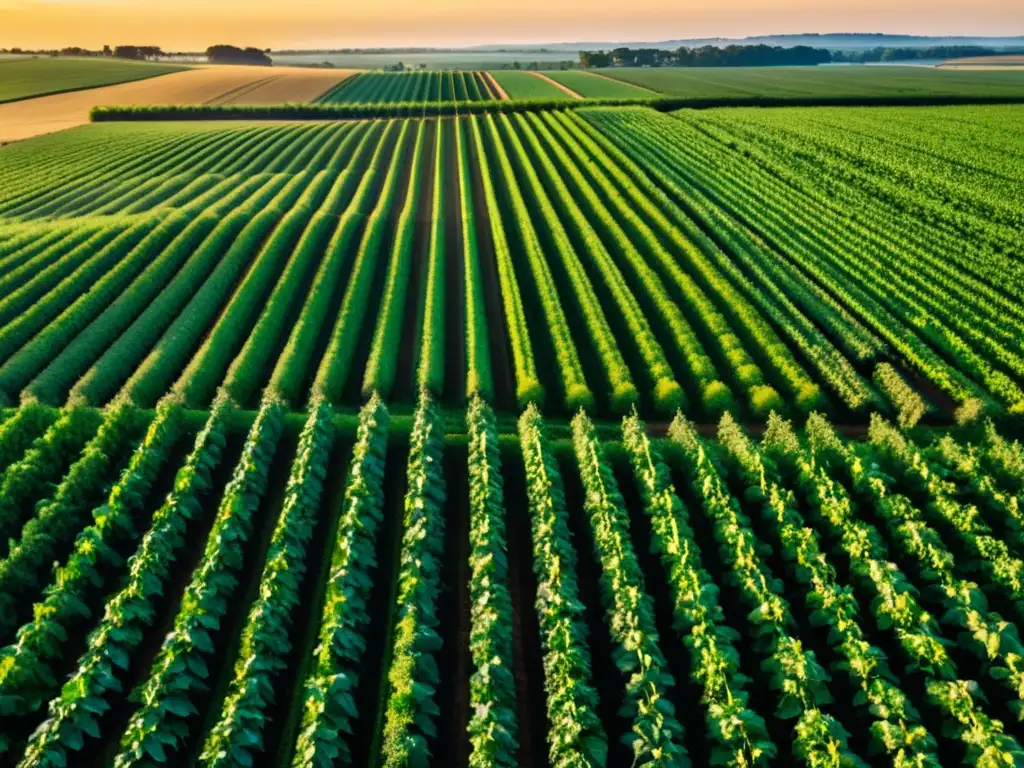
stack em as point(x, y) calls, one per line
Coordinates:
point(412, 87)
point(370, 594)
point(605, 259)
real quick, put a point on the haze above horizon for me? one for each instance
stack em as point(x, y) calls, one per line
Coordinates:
point(195, 24)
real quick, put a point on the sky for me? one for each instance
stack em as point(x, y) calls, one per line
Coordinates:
point(281, 24)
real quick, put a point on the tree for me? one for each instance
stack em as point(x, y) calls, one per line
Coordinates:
point(708, 56)
point(229, 54)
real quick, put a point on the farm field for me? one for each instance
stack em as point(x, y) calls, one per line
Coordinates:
point(538, 437)
point(598, 86)
point(999, 60)
point(838, 81)
point(201, 85)
point(652, 277)
point(372, 590)
point(985, 62)
point(464, 60)
point(25, 78)
point(282, 85)
point(526, 85)
point(385, 87)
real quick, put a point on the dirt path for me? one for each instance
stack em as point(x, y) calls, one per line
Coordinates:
point(625, 82)
point(497, 89)
point(564, 88)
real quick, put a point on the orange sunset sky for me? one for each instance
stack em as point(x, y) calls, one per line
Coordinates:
point(194, 24)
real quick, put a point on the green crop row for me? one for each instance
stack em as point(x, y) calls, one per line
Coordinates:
point(159, 725)
point(411, 709)
point(27, 668)
point(76, 715)
point(493, 727)
point(328, 702)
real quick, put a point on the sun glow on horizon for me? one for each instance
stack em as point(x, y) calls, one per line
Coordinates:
point(195, 24)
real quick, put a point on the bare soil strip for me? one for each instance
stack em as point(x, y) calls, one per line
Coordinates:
point(495, 86)
point(564, 88)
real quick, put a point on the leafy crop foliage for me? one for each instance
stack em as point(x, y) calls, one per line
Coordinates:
point(311, 451)
point(607, 258)
point(411, 87)
point(746, 600)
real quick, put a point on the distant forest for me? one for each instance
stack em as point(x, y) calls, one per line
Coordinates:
point(770, 55)
point(215, 54)
point(911, 54)
point(707, 56)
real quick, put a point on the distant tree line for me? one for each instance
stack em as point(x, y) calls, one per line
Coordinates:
point(215, 54)
point(913, 54)
point(229, 54)
point(773, 56)
point(708, 56)
point(138, 52)
point(483, 52)
point(532, 66)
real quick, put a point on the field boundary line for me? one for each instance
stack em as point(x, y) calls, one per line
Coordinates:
point(358, 111)
point(564, 88)
point(621, 82)
point(502, 94)
point(63, 91)
point(344, 79)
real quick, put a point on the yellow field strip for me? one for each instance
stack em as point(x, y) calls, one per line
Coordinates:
point(201, 85)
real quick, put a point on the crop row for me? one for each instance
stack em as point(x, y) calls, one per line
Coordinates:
point(831, 261)
point(412, 87)
point(797, 600)
point(608, 258)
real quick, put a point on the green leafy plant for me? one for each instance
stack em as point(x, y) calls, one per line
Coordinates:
point(329, 712)
point(738, 733)
point(75, 715)
point(656, 734)
point(413, 676)
point(160, 724)
point(576, 736)
point(237, 737)
point(492, 693)
point(27, 676)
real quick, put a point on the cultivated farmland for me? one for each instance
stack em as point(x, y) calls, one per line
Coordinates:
point(601, 284)
point(398, 87)
point(534, 437)
point(835, 82)
point(370, 591)
point(526, 85)
point(224, 85)
point(26, 78)
point(598, 86)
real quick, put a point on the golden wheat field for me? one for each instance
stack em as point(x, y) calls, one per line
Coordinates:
point(201, 85)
